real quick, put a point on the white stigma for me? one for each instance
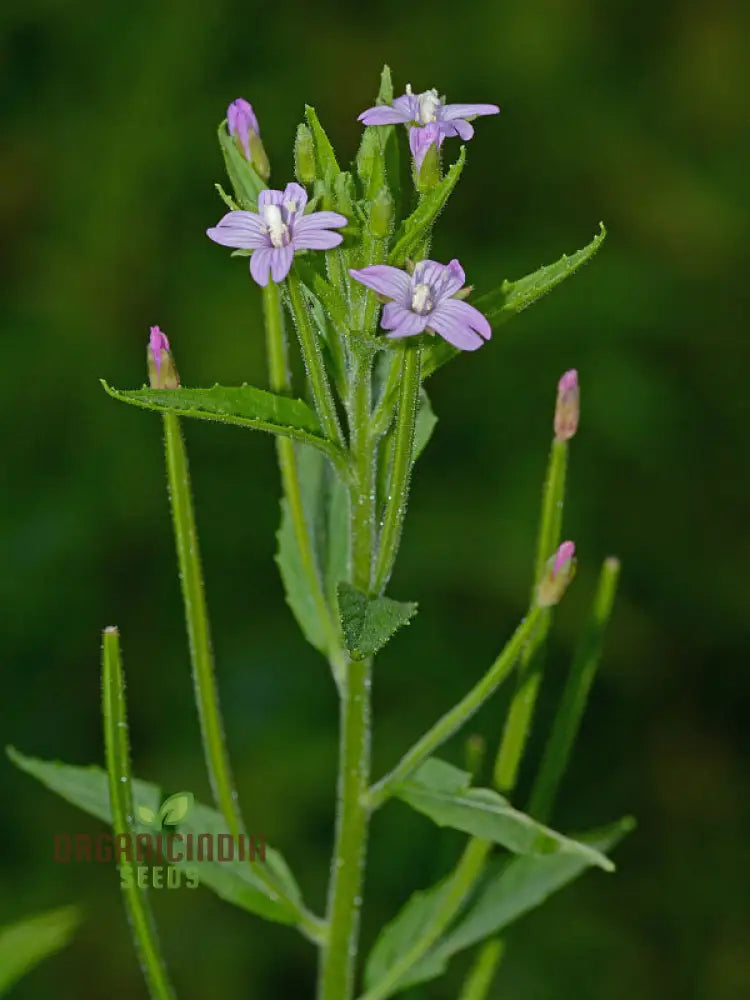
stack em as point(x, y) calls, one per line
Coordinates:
point(274, 222)
point(421, 300)
point(429, 102)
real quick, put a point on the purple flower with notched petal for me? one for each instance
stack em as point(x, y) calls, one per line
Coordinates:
point(241, 121)
point(277, 230)
point(431, 120)
point(425, 300)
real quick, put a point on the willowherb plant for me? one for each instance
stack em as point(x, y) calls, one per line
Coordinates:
point(328, 251)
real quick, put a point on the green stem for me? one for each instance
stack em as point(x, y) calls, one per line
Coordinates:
point(452, 721)
point(314, 364)
point(117, 750)
point(482, 972)
point(521, 711)
point(278, 376)
point(201, 654)
point(573, 702)
point(398, 486)
point(362, 486)
point(454, 893)
point(198, 628)
point(336, 980)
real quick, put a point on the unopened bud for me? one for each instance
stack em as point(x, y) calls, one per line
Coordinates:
point(243, 127)
point(368, 155)
point(568, 406)
point(304, 155)
point(558, 573)
point(343, 193)
point(428, 176)
point(162, 373)
point(381, 214)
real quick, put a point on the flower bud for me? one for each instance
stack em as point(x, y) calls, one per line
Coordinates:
point(429, 172)
point(558, 573)
point(162, 373)
point(568, 406)
point(381, 214)
point(242, 125)
point(304, 155)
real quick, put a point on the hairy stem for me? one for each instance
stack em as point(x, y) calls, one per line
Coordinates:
point(336, 980)
point(201, 654)
point(198, 627)
point(117, 749)
point(398, 483)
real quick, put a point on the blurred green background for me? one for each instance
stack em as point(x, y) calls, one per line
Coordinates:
point(630, 112)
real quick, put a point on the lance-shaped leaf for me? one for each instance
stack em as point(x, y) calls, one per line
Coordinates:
point(243, 406)
point(233, 881)
point(514, 296)
point(442, 792)
point(245, 181)
point(28, 942)
point(511, 889)
point(416, 229)
point(368, 623)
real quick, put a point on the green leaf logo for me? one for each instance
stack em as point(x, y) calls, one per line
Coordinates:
point(175, 808)
point(146, 815)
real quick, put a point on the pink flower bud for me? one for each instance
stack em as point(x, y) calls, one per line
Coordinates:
point(558, 573)
point(568, 406)
point(162, 372)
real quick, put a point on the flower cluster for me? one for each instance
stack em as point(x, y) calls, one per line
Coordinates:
point(426, 299)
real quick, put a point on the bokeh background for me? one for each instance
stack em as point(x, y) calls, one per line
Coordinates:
point(630, 112)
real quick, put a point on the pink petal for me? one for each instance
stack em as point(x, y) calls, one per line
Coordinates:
point(295, 193)
point(281, 262)
point(385, 280)
point(402, 321)
point(260, 265)
point(451, 111)
point(460, 324)
point(241, 230)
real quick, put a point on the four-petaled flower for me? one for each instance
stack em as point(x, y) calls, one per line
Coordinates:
point(431, 120)
point(425, 300)
point(277, 230)
point(241, 121)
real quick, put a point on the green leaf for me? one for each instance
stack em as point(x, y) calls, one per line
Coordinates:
point(512, 889)
point(368, 623)
point(245, 181)
point(244, 406)
point(514, 296)
point(398, 936)
point(442, 792)
point(325, 506)
point(175, 809)
point(415, 230)
point(425, 424)
point(235, 882)
point(325, 158)
point(28, 942)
